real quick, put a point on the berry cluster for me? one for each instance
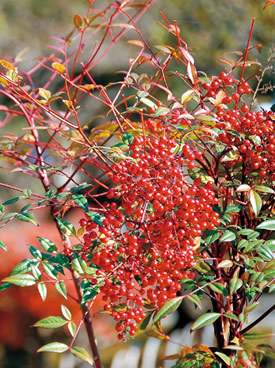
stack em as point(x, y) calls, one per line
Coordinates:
point(148, 241)
point(252, 133)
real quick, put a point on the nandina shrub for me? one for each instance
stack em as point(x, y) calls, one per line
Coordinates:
point(176, 188)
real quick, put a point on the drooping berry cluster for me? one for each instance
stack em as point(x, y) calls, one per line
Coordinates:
point(148, 241)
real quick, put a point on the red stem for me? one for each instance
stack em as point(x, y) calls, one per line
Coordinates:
point(247, 49)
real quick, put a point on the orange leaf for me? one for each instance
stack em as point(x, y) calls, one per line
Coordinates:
point(78, 22)
point(136, 43)
point(203, 348)
point(6, 64)
point(186, 351)
point(272, 2)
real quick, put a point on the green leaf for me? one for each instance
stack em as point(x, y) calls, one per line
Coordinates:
point(202, 267)
point(127, 138)
point(231, 316)
point(81, 201)
point(72, 328)
point(267, 225)
point(235, 284)
point(80, 187)
point(265, 253)
point(78, 265)
point(8, 215)
point(258, 276)
point(161, 111)
point(50, 270)
point(270, 244)
point(204, 320)
point(27, 217)
point(48, 245)
point(54, 347)
point(66, 227)
point(253, 235)
point(36, 272)
point(224, 264)
point(146, 321)
point(148, 102)
point(66, 313)
point(27, 192)
point(256, 335)
point(61, 288)
point(218, 288)
point(263, 188)
point(5, 286)
point(255, 201)
point(96, 217)
point(195, 299)
point(26, 207)
point(62, 260)
point(212, 236)
point(226, 218)
point(2, 246)
point(42, 290)
point(51, 322)
point(24, 266)
point(215, 364)
point(227, 236)
point(169, 307)
point(248, 232)
point(251, 307)
point(242, 243)
point(81, 354)
point(12, 200)
point(21, 279)
point(252, 245)
point(232, 209)
point(270, 273)
point(233, 347)
point(224, 358)
point(35, 252)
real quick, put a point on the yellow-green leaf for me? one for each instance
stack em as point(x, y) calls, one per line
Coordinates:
point(255, 201)
point(21, 279)
point(44, 93)
point(82, 354)
point(186, 96)
point(224, 264)
point(51, 322)
point(235, 284)
point(54, 347)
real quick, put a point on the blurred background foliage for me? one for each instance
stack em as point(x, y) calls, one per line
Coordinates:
point(210, 28)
